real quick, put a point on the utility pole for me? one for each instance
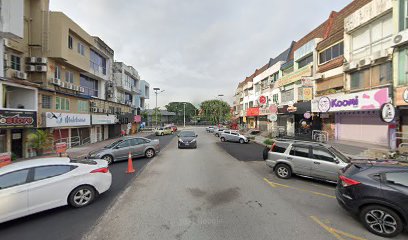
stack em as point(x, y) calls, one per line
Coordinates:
point(220, 96)
point(184, 115)
point(157, 92)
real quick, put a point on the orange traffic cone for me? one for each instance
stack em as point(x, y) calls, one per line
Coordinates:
point(130, 168)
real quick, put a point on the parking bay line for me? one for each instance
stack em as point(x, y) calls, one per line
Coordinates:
point(335, 232)
point(275, 185)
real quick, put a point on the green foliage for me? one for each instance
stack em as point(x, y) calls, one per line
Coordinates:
point(40, 140)
point(178, 108)
point(215, 111)
point(156, 117)
point(268, 141)
point(144, 115)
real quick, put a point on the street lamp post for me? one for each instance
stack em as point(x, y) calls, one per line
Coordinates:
point(184, 115)
point(157, 92)
point(220, 96)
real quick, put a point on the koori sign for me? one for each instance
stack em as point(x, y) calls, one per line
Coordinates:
point(54, 119)
point(367, 100)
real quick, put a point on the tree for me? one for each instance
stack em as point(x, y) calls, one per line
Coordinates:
point(156, 117)
point(215, 111)
point(40, 140)
point(178, 108)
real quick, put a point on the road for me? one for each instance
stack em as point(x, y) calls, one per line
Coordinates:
point(69, 223)
point(205, 193)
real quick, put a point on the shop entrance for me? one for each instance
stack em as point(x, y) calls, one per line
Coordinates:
point(17, 142)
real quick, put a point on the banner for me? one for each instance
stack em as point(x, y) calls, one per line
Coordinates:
point(54, 119)
point(18, 119)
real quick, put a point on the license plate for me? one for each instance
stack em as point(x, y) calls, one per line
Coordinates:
point(187, 144)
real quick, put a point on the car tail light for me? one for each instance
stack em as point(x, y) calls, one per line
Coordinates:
point(273, 147)
point(100, 170)
point(347, 182)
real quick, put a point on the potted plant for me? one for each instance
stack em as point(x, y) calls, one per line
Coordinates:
point(40, 140)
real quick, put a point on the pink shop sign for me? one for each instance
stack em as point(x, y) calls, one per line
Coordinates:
point(366, 100)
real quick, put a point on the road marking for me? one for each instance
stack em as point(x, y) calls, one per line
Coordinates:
point(335, 232)
point(275, 185)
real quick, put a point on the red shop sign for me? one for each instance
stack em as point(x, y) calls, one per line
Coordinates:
point(5, 159)
point(251, 112)
point(262, 99)
point(61, 147)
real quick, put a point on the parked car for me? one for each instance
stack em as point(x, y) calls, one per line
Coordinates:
point(317, 160)
point(163, 131)
point(32, 186)
point(377, 192)
point(174, 128)
point(233, 136)
point(120, 149)
point(218, 131)
point(187, 139)
point(210, 129)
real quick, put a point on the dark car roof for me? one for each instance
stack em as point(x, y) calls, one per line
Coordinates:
point(381, 164)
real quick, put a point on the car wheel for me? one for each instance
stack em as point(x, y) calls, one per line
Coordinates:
point(265, 153)
point(283, 171)
point(162, 134)
point(241, 141)
point(381, 221)
point(108, 158)
point(149, 153)
point(222, 139)
point(82, 196)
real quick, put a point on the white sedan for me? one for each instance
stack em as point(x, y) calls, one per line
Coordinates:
point(36, 185)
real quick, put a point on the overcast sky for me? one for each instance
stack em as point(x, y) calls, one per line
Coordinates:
point(197, 49)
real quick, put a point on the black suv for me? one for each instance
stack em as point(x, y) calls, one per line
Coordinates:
point(376, 191)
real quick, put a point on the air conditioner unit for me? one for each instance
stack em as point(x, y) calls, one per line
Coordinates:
point(364, 62)
point(31, 60)
point(20, 75)
point(94, 109)
point(93, 104)
point(56, 81)
point(100, 110)
point(30, 68)
point(81, 89)
point(109, 95)
point(380, 54)
point(40, 68)
point(72, 87)
point(41, 60)
point(63, 84)
point(400, 38)
point(106, 110)
point(76, 88)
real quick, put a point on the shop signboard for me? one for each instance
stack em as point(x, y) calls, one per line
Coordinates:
point(61, 147)
point(137, 118)
point(103, 119)
point(252, 112)
point(54, 119)
point(387, 112)
point(307, 93)
point(18, 119)
point(268, 110)
point(401, 96)
point(294, 76)
point(366, 100)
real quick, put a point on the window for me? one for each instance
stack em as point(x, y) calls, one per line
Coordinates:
point(81, 49)
point(124, 144)
point(83, 106)
point(98, 63)
point(257, 88)
point(305, 61)
point(15, 62)
point(69, 77)
point(403, 67)
point(90, 85)
point(288, 95)
point(274, 77)
point(275, 98)
point(279, 147)
point(50, 171)
point(360, 79)
point(57, 72)
point(70, 42)
point(46, 101)
point(331, 53)
point(374, 76)
point(62, 103)
point(322, 154)
point(299, 151)
point(397, 178)
point(13, 179)
point(136, 141)
point(372, 38)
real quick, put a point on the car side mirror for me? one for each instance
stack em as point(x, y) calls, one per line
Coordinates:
point(178, 135)
point(196, 135)
point(336, 161)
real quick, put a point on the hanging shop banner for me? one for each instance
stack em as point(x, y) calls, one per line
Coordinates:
point(387, 112)
point(18, 119)
point(366, 100)
point(252, 112)
point(103, 119)
point(307, 82)
point(5, 159)
point(137, 119)
point(307, 93)
point(54, 119)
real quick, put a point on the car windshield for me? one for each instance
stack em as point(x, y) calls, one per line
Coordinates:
point(113, 144)
point(340, 155)
point(187, 134)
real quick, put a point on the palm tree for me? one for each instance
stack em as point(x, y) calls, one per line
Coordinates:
point(40, 140)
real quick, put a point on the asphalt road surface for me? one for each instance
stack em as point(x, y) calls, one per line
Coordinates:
point(205, 193)
point(69, 223)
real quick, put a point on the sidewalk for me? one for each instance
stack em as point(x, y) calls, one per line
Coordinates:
point(82, 151)
point(347, 147)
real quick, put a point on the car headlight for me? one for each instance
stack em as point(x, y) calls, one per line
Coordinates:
point(180, 140)
point(193, 140)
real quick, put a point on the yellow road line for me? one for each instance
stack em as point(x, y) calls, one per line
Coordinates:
point(336, 233)
point(274, 185)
